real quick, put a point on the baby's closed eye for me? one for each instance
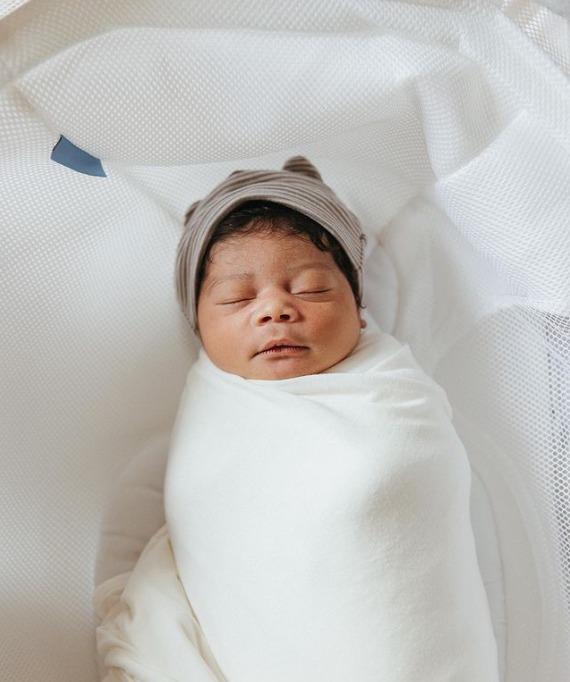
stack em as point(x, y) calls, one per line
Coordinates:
point(307, 292)
point(236, 300)
point(250, 296)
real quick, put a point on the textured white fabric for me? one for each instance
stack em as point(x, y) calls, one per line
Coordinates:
point(443, 125)
point(134, 511)
point(320, 525)
point(148, 630)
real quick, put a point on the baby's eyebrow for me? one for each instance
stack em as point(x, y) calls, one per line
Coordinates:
point(310, 265)
point(237, 275)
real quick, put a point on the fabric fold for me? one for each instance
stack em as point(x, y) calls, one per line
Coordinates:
point(149, 631)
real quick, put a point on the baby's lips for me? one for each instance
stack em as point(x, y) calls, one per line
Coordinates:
point(280, 342)
point(282, 349)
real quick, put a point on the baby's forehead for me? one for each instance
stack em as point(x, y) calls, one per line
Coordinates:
point(252, 245)
point(245, 267)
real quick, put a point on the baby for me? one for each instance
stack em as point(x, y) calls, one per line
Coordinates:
point(316, 494)
point(278, 296)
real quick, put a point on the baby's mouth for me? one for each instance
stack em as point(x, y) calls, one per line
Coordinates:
point(282, 349)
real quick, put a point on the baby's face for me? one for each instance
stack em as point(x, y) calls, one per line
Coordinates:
point(275, 307)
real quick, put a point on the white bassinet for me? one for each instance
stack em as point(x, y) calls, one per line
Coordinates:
point(444, 125)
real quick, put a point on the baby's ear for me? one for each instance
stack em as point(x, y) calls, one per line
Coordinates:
point(300, 164)
point(190, 211)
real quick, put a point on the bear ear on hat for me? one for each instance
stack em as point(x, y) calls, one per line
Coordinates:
point(300, 164)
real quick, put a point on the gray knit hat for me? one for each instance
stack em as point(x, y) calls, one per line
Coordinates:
point(299, 186)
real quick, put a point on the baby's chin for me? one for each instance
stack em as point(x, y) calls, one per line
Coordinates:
point(276, 369)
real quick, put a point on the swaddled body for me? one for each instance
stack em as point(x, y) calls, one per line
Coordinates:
point(316, 495)
point(322, 530)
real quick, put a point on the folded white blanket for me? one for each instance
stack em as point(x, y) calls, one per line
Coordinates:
point(321, 524)
point(148, 630)
point(320, 532)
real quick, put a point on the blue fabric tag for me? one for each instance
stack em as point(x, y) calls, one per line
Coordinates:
point(67, 154)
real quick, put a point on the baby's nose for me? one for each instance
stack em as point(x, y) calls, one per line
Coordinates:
point(276, 309)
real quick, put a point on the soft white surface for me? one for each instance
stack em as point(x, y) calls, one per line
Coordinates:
point(443, 125)
point(134, 512)
point(148, 630)
point(320, 525)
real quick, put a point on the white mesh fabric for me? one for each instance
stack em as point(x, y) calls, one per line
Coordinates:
point(445, 126)
point(8, 6)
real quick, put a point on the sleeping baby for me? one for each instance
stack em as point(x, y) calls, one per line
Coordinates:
point(316, 493)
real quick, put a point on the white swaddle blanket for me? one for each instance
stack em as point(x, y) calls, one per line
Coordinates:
point(320, 528)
